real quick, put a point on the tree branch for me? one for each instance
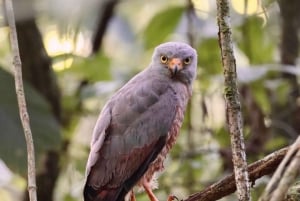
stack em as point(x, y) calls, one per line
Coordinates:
point(284, 175)
point(226, 186)
point(233, 106)
point(21, 100)
point(107, 8)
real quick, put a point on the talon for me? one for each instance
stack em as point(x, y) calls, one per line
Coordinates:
point(172, 198)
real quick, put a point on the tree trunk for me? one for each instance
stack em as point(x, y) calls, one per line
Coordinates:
point(289, 52)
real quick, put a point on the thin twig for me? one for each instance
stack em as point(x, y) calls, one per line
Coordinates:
point(284, 176)
point(226, 186)
point(21, 100)
point(233, 106)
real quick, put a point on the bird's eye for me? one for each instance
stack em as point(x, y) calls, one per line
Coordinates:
point(187, 60)
point(163, 59)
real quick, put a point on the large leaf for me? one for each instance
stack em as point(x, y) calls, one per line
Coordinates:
point(45, 129)
point(255, 42)
point(93, 68)
point(161, 25)
point(209, 56)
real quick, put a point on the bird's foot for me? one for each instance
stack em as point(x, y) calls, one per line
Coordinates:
point(172, 198)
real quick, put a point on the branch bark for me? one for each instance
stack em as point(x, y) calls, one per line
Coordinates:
point(226, 186)
point(233, 106)
point(21, 100)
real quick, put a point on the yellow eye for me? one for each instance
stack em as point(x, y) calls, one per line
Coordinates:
point(187, 60)
point(163, 59)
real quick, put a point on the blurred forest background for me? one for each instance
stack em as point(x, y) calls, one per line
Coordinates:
point(76, 53)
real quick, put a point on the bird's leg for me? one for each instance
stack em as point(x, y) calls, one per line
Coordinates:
point(132, 196)
point(149, 191)
point(153, 197)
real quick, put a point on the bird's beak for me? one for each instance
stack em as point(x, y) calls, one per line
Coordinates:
point(175, 65)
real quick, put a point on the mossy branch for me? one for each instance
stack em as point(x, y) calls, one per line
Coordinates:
point(227, 185)
point(233, 106)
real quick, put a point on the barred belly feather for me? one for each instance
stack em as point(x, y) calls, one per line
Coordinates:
point(158, 164)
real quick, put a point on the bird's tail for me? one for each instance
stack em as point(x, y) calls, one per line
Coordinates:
point(90, 194)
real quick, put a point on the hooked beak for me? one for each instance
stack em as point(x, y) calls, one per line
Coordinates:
point(175, 65)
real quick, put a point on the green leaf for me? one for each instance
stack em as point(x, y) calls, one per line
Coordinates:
point(276, 143)
point(222, 136)
point(261, 96)
point(92, 68)
point(255, 42)
point(209, 56)
point(45, 129)
point(161, 26)
point(282, 91)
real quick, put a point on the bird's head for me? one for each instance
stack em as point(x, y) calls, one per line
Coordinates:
point(176, 60)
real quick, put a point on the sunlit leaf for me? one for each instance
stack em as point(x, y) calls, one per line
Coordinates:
point(92, 69)
point(45, 129)
point(162, 25)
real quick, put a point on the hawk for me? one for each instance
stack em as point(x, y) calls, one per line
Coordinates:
point(139, 124)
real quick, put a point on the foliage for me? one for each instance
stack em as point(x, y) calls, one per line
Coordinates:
point(92, 69)
point(254, 41)
point(46, 131)
point(209, 51)
point(161, 26)
point(88, 82)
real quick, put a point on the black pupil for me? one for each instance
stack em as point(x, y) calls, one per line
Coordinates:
point(163, 58)
point(187, 60)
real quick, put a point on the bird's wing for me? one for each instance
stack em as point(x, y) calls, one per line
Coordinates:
point(99, 134)
point(140, 120)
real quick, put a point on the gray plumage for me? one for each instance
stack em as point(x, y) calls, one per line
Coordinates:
point(139, 124)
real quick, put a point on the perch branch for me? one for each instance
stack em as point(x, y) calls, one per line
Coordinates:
point(21, 100)
point(226, 186)
point(233, 106)
point(284, 176)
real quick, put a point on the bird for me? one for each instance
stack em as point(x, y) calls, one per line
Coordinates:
point(138, 126)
